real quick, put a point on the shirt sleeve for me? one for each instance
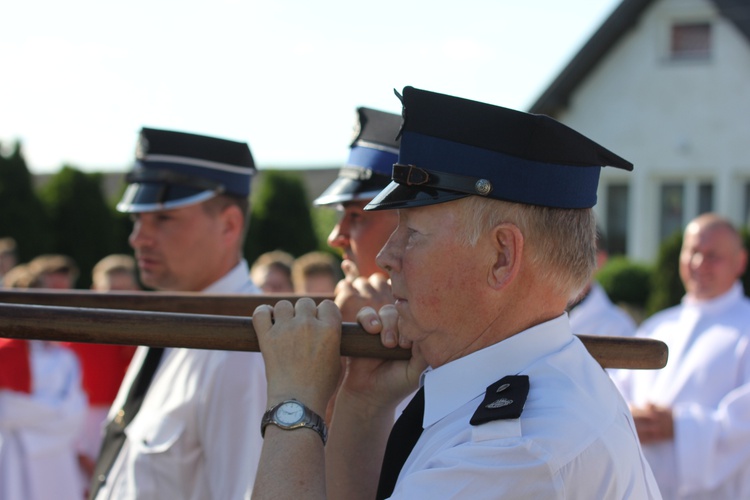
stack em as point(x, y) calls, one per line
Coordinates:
point(230, 424)
point(712, 444)
point(519, 470)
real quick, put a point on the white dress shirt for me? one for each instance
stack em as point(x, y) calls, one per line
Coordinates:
point(707, 384)
point(197, 434)
point(38, 430)
point(597, 315)
point(574, 440)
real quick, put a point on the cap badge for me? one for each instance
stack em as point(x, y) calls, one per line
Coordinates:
point(141, 147)
point(356, 129)
point(483, 187)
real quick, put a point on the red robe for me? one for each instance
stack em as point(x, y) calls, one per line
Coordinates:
point(102, 366)
point(15, 370)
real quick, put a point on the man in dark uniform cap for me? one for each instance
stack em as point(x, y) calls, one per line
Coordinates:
point(360, 235)
point(495, 237)
point(178, 427)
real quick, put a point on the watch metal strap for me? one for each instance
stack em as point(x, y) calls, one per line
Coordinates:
point(311, 420)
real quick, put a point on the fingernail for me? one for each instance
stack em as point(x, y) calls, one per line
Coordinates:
point(374, 321)
point(390, 337)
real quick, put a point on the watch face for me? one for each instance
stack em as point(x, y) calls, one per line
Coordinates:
point(290, 413)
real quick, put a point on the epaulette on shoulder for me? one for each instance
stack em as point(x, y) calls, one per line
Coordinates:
point(504, 400)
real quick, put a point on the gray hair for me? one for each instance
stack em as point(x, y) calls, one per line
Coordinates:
point(559, 243)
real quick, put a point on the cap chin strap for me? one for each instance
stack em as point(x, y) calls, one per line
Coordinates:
point(411, 175)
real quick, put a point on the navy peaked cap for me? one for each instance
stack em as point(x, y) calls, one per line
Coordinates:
point(453, 147)
point(176, 169)
point(372, 154)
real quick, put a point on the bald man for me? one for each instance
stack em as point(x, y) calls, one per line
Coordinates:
point(692, 416)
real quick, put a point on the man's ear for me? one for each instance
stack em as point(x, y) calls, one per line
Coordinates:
point(507, 243)
point(233, 222)
point(741, 263)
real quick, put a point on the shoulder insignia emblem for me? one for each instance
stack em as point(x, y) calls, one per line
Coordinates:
point(504, 400)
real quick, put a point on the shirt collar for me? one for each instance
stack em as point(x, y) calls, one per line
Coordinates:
point(718, 303)
point(235, 281)
point(447, 388)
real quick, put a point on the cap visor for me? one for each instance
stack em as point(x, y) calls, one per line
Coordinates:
point(152, 197)
point(343, 189)
point(397, 195)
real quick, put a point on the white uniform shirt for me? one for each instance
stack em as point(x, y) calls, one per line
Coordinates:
point(597, 315)
point(575, 438)
point(38, 430)
point(707, 384)
point(197, 434)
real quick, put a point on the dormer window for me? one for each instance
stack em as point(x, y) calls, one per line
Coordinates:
point(691, 40)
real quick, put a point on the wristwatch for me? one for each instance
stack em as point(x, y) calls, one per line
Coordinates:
point(291, 414)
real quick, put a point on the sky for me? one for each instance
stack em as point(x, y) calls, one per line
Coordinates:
point(81, 77)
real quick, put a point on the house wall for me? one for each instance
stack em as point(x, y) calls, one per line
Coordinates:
point(683, 121)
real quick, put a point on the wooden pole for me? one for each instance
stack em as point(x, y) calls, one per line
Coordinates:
point(198, 331)
point(177, 302)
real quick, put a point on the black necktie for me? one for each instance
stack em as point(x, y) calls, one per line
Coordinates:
point(114, 436)
point(404, 436)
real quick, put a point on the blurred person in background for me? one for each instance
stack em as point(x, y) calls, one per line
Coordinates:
point(55, 271)
point(103, 366)
point(692, 416)
point(42, 411)
point(315, 273)
point(8, 255)
point(272, 272)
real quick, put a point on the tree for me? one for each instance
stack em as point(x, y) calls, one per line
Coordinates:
point(280, 217)
point(626, 281)
point(666, 285)
point(83, 224)
point(22, 214)
point(122, 223)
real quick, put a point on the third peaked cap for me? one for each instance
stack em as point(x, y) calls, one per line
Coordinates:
point(453, 147)
point(372, 153)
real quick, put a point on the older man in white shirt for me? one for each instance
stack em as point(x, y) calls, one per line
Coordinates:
point(693, 416)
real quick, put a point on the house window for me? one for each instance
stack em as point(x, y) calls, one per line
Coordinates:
point(705, 197)
point(617, 218)
point(691, 40)
point(672, 209)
